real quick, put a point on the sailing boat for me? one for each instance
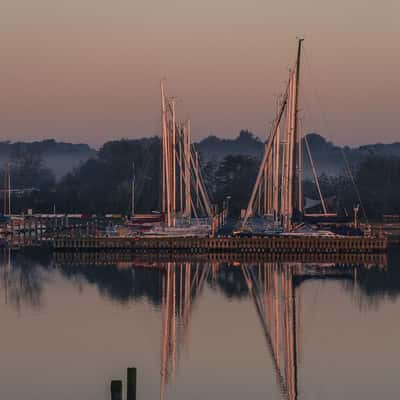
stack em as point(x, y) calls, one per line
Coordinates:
point(185, 204)
point(277, 202)
point(138, 224)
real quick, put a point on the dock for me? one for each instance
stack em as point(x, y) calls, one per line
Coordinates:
point(199, 245)
point(157, 260)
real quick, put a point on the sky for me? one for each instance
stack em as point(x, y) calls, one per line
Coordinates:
point(89, 71)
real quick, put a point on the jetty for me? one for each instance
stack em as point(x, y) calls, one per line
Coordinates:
point(193, 245)
point(156, 260)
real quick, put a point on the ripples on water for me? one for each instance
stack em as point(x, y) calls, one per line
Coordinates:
point(198, 329)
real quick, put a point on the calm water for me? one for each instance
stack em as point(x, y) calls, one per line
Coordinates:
point(199, 330)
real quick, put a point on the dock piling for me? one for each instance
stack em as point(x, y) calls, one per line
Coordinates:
point(131, 384)
point(116, 390)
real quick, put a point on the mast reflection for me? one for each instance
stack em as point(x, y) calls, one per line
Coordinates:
point(275, 290)
point(182, 283)
point(272, 291)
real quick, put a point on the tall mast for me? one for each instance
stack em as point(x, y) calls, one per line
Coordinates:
point(7, 190)
point(181, 171)
point(180, 167)
point(276, 173)
point(173, 156)
point(166, 205)
point(268, 148)
point(287, 200)
point(297, 141)
point(292, 153)
point(163, 135)
point(197, 179)
point(5, 193)
point(314, 171)
point(187, 183)
point(133, 190)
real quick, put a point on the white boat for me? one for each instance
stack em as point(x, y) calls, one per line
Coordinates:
point(181, 231)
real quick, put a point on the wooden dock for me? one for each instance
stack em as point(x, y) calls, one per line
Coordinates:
point(390, 230)
point(156, 260)
point(195, 245)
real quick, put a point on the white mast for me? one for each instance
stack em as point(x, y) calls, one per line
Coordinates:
point(297, 131)
point(291, 150)
point(173, 156)
point(181, 173)
point(180, 168)
point(163, 163)
point(9, 192)
point(268, 149)
point(197, 179)
point(289, 170)
point(276, 173)
point(133, 190)
point(314, 171)
point(166, 204)
point(188, 210)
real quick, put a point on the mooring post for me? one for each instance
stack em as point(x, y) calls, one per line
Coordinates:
point(131, 384)
point(116, 390)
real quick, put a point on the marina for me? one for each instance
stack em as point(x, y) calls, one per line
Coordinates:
point(278, 218)
point(200, 200)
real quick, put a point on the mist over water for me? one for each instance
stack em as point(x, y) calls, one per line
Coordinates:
point(198, 329)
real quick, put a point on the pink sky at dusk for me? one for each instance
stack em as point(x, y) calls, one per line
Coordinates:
point(89, 71)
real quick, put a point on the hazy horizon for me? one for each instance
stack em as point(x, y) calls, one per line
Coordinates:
point(88, 71)
point(97, 146)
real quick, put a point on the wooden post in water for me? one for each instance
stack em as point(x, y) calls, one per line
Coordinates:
point(116, 390)
point(131, 384)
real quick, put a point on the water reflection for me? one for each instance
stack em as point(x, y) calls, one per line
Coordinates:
point(22, 282)
point(274, 288)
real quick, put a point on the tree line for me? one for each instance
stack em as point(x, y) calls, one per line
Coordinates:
point(103, 184)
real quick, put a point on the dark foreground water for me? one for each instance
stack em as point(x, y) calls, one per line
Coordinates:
point(198, 330)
